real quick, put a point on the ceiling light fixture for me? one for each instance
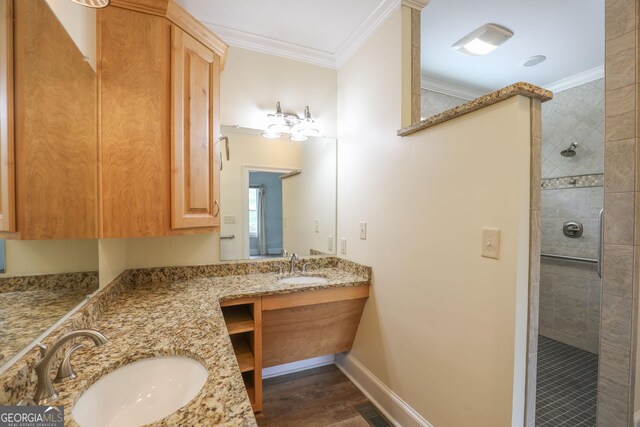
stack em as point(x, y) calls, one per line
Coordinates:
point(95, 4)
point(484, 40)
point(534, 60)
point(299, 129)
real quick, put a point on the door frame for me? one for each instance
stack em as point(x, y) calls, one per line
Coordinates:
point(246, 170)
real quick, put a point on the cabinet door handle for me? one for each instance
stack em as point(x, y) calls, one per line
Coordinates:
point(226, 145)
point(216, 205)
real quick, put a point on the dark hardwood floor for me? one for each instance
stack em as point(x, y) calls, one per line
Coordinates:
point(319, 397)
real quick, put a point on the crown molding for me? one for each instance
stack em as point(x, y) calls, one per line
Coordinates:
point(577, 79)
point(415, 4)
point(296, 52)
point(449, 88)
point(365, 30)
point(271, 46)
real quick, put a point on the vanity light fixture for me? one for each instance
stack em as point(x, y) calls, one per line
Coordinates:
point(95, 4)
point(299, 129)
point(484, 40)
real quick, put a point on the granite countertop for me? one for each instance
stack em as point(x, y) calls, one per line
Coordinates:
point(183, 317)
point(29, 305)
point(25, 315)
point(520, 88)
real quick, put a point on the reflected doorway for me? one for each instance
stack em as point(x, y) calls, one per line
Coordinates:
point(264, 214)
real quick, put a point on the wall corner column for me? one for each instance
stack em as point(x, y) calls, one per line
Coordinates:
point(411, 75)
point(620, 263)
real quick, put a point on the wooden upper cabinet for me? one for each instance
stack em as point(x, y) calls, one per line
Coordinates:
point(133, 70)
point(159, 79)
point(195, 75)
point(55, 122)
point(7, 172)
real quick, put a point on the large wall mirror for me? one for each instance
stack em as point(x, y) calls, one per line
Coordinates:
point(277, 195)
point(42, 281)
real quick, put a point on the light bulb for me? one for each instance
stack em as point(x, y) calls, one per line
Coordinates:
point(271, 134)
point(279, 127)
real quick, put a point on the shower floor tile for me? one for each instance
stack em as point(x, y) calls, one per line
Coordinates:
point(566, 386)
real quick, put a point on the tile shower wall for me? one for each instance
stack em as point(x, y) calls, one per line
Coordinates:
point(433, 103)
point(570, 303)
point(574, 115)
point(570, 290)
point(571, 204)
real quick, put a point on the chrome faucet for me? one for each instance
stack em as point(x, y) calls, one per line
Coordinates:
point(284, 253)
point(294, 258)
point(45, 392)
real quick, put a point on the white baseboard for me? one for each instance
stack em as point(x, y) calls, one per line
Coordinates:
point(385, 399)
point(303, 365)
point(636, 419)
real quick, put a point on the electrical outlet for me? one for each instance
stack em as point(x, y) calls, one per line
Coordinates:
point(490, 243)
point(330, 243)
point(343, 246)
point(363, 231)
point(229, 219)
point(317, 225)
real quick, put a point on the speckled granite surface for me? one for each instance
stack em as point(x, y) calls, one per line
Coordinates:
point(29, 305)
point(521, 88)
point(167, 311)
point(83, 279)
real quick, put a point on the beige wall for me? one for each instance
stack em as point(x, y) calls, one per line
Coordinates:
point(443, 324)
point(197, 249)
point(80, 23)
point(49, 256)
point(252, 82)
point(117, 255)
point(112, 255)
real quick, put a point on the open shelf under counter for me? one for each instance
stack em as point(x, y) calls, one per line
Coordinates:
point(247, 377)
point(243, 353)
point(238, 319)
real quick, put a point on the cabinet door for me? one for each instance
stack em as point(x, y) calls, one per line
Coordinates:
point(194, 152)
point(7, 177)
point(55, 122)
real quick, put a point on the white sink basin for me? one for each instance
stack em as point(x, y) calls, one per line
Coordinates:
point(303, 280)
point(141, 392)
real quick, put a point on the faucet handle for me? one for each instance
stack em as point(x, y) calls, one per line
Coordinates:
point(280, 270)
point(43, 349)
point(304, 267)
point(65, 371)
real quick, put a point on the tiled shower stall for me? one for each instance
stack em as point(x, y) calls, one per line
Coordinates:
point(570, 287)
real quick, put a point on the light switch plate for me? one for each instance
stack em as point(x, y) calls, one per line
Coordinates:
point(491, 243)
point(343, 246)
point(229, 219)
point(363, 231)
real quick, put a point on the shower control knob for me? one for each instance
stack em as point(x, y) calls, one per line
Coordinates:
point(572, 229)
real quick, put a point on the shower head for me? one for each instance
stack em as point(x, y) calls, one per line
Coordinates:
point(571, 151)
